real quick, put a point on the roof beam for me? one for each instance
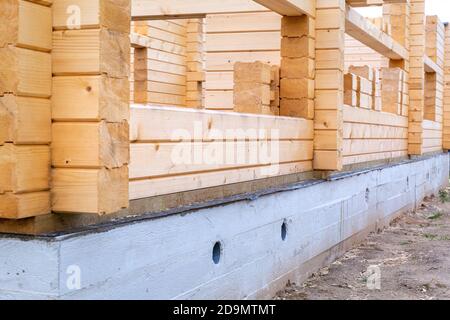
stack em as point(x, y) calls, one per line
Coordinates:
point(430, 65)
point(290, 7)
point(366, 3)
point(366, 32)
point(182, 9)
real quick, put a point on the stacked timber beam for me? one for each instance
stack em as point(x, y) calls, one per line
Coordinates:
point(435, 38)
point(25, 110)
point(252, 86)
point(434, 85)
point(160, 67)
point(365, 85)
point(446, 118)
point(195, 64)
point(416, 77)
point(329, 87)
point(90, 106)
point(297, 67)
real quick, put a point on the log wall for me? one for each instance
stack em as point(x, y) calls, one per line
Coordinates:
point(90, 105)
point(25, 108)
point(160, 71)
point(197, 154)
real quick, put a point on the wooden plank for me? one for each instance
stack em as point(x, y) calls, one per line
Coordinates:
point(363, 158)
point(182, 9)
point(25, 72)
point(20, 206)
point(102, 191)
point(90, 145)
point(373, 131)
point(365, 146)
point(153, 124)
point(365, 3)
point(290, 7)
point(431, 66)
point(358, 115)
point(24, 168)
point(243, 22)
point(162, 159)
point(94, 14)
point(25, 120)
point(25, 24)
point(364, 31)
point(166, 185)
point(242, 41)
point(90, 98)
point(91, 52)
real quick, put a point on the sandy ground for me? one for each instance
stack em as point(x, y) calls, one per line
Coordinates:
point(408, 260)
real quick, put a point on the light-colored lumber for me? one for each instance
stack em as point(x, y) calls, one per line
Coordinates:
point(364, 31)
point(154, 10)
point(25, 24)
point(162, 159)
point(25, 72)
point(20, 206)
point(291, 7)
point(94, 14)
point(417, 76)
point(97, 191)
point(329, 96)
point(90, 145)
point(166, 185)
point(25, 120)
point(24, 168)
point(89, 98)
point(153, 124)
point(91, 52)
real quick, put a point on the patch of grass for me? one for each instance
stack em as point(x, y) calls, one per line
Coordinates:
point(404, 243)
point(436, 215)
point(444, 196)
point(430, 236)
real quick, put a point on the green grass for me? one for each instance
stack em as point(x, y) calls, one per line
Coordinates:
point(430, 236)
point(436, 215)
point(444, 196)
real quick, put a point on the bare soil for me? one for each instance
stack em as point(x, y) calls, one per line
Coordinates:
point(413, 257)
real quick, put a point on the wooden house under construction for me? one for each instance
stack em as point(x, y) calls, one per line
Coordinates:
point(164, 146)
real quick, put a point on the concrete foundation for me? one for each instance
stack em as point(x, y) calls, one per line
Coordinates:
point(245, 249)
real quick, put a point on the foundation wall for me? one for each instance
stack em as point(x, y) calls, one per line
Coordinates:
point(149, 260)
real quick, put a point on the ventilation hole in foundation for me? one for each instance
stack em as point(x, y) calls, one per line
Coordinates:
point(217, 252)
point(283, 231)
point(367, 194)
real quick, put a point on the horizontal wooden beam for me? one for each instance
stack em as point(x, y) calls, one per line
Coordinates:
point(290, 7)
point(366, 32)
point(366, 3)
point(182, 9)
point(430, 65)
point(139, 41)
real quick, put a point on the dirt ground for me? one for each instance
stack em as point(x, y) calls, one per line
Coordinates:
point(411, 259)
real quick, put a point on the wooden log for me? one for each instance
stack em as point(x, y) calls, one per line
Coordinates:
point(98, 191)
point(90, 98)
point(25, 120)
point(25, 205)
point(24, 168)
point(90, 145)
point(111, 14)
point(25, 72)
point(91, 52)
point(25, 24)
